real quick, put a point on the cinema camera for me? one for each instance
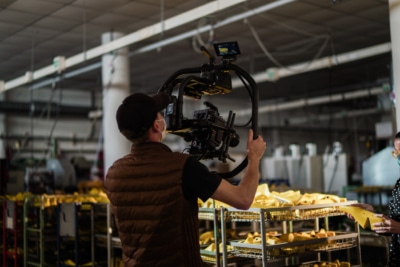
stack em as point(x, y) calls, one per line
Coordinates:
point(209, 135)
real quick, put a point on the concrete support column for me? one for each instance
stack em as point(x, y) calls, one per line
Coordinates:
point(394, 14)
point(115, 78)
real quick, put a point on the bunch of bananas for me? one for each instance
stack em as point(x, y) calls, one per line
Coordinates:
point(266, 199)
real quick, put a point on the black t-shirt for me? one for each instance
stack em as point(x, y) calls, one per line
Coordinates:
point(198, 181)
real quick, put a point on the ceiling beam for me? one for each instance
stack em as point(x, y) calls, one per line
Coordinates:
point(305, 102)
point(274, 74)
point(142, 34)
point(145, 33)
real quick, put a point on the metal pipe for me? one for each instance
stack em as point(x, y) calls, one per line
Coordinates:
point(266, 108)
point(25, 108)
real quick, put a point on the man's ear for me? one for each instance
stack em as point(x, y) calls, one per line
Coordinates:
point(156, 126)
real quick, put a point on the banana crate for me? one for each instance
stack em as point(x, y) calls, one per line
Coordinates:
point(242, 249)
point(40, 212)
point(335, 263)
point(210, 254)
point(338, 241)
point(211, 214)
point(288, 213)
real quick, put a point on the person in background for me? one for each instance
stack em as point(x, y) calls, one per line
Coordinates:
point(153, 191)
point(391, 223)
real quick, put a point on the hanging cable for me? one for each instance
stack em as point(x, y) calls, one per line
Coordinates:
point(32, 106)
point(276, 62)
point(162, 18)
point(84, 33)
point(197, 40)
point(58, 104)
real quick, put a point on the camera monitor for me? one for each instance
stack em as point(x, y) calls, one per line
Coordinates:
point(227, 49)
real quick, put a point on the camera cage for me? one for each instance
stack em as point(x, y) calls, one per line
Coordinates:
point(210, 135)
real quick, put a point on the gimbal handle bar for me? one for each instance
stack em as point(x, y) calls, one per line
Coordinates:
point(254, 98)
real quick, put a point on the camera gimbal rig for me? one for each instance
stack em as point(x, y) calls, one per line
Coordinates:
point(209, 134)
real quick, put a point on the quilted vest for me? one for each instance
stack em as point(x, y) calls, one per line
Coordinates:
point(156, 224)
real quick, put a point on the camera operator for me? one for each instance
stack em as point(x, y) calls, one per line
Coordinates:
point(153, 191)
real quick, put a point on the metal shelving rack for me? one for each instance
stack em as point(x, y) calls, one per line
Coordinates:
point(2, 200)
point(74, 234)
point(271, 255)
point(40, 231)
point(221, 257)
point(218, 257)
point(102, 235)
point(115, 242)
point(105, 237)
point(12, 233)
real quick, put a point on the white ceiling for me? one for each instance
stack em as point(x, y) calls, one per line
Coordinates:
point(34, 32)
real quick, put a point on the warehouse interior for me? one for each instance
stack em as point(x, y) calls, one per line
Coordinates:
point(323, 71)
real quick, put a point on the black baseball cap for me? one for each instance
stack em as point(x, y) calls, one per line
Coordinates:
point(138, 111)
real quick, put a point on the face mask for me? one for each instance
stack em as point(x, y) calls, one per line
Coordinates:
point(164, 132)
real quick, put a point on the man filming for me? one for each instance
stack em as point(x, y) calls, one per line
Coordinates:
point(153, 191)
